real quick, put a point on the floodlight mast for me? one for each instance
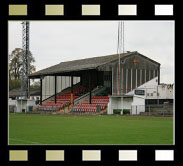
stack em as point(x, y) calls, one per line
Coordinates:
point(25, 61)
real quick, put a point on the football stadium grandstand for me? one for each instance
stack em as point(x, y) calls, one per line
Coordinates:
point(90, 85)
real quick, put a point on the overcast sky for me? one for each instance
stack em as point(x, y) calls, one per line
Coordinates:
point(52, 42)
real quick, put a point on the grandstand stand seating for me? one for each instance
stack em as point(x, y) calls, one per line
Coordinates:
point(98, 104)
point(63, 100)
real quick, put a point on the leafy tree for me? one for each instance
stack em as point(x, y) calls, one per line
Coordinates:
point(14, 84)
point(35, 84)
point(15, 67)
point(15, 64)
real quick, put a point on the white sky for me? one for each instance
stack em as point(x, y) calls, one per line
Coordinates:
point(52, 42)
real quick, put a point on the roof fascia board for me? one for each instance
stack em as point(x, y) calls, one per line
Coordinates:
point(66, 73)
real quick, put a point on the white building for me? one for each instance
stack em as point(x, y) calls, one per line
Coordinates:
point(21, 105)
point(137, 99)
point(17, 103)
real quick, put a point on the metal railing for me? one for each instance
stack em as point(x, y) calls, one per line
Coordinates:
point(152, 110)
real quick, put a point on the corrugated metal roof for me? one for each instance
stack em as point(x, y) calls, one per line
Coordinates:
point(81, 64)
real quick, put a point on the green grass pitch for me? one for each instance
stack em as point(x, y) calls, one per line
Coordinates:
point(106, 129)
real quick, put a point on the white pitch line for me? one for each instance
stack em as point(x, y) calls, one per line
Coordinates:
point(24, 141)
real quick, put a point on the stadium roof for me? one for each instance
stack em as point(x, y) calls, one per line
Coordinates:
point(83, 64)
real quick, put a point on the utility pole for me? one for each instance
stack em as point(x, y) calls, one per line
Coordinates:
point(120, 49)
point(119, 52)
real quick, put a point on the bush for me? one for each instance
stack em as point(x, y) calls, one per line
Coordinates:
point(126, 111)
point(117, 111)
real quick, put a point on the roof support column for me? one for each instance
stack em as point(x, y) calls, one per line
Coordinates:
point(145, 76)
point(117, 81)
point(90, 101)
point(122, 80)
point(159, 75)
point(140, 76)
point(111, 82)
point(97, 78)
point(72, 99)
point(55, 89)
point(41, 91)
point(149, 75)
point(126, 80)
point(81, 80)
point(136, 79)
point(131, 78)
